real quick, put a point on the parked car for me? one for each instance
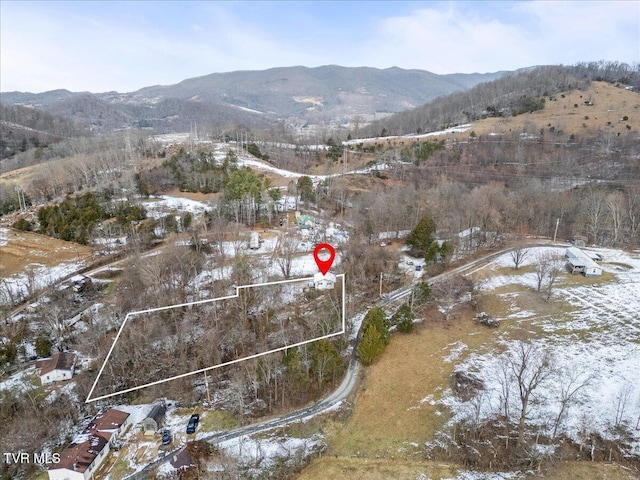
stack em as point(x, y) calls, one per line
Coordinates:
point(166, 437)
point(193, 423)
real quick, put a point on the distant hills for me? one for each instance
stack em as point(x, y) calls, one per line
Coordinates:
point(297, 95)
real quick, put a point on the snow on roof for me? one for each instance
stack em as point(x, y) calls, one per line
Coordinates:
point(329, 277)
point(107, 422)
point(578, 258)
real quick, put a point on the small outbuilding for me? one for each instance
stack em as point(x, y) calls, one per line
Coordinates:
point(152, 423)
point(580, 240)
point(306, 222)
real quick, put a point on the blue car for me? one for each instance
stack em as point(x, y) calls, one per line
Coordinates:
point(166, 437)
point(193, 423)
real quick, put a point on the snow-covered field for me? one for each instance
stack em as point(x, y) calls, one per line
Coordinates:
point(4, 236)
point(262, 453)
point(17, 287)
point(594, 344)
point(165, 204)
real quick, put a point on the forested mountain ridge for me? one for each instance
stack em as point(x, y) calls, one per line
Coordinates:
point(300, 94)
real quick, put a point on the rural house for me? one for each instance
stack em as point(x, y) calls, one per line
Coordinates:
point(81, 459)
point(324, 282)
point(152, 423)
point(57, 368)
point(580, 262)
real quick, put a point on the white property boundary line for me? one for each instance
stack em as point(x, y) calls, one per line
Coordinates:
point(211, 300)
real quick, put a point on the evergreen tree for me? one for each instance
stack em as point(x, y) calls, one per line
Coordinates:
point(421, 237)
point(421, 293)
point(43, 346)
point(326, 362)
point(371, 345)
point(377, 318)
point(403, 318)
point(305, 188)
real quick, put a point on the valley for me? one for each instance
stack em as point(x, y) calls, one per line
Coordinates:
point(145, 271)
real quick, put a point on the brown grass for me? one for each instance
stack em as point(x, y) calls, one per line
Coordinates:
point(24, 248)
point(382, 469)
point(385, 435)
point(610, 104)
point(388, 415)
point(344, 468)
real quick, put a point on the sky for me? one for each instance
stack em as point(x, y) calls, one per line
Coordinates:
point(125, 45)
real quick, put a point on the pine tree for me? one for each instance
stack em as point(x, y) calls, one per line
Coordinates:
point(378, 318)
point(421, 237)
point(371, 345)
point(403, 319)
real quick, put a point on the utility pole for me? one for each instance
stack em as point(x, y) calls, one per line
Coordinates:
point(344, 160)
point(555, 234)
point(380, 284)
point(206, 384)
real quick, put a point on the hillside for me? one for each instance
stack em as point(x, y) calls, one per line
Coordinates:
point(510, 95)
point(22, 128)
point(299, 94)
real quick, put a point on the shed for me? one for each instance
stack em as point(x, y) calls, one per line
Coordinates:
point(580, 240)
point(152, 423)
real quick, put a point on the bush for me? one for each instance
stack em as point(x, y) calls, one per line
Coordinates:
point(403, 319)
point(22, 224)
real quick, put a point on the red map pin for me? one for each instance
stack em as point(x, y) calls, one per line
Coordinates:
point(324, 265)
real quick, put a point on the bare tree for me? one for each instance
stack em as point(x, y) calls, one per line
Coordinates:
point(518, 255)
point(615, 207)
point(285, 250)
point(571, 382)
point(530, 367)
point(547, 268)
point(594, 210)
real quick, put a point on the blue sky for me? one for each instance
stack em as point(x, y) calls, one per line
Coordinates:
point(123, 46)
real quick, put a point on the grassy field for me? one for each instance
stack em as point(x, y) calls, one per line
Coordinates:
point(399, 469)
point(610, 104)
point(389, 419)
point(385, 435)
point(24, 248)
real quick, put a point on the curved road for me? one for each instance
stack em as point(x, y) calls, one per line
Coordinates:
point(350, 378)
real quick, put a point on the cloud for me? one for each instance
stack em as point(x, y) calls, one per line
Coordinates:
point(101, 46)
point(500, 36)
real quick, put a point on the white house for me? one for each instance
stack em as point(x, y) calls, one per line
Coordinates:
point(57, 368)
point(324, 282)
point(81, 459)
point(580, 262)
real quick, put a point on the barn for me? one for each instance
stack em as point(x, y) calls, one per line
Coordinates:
point(580, 262)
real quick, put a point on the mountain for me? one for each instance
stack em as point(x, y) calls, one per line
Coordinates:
point(297, 95)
